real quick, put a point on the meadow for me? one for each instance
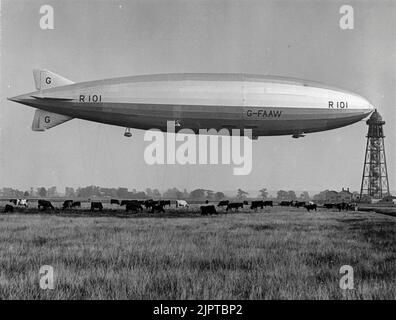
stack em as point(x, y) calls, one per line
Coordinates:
point(276, 253)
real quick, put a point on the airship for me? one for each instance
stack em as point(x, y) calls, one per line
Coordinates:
point(268, 105)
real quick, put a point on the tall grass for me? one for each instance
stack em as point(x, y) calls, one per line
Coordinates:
point(276, 254)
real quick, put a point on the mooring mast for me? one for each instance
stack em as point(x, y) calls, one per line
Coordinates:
point(375, 175)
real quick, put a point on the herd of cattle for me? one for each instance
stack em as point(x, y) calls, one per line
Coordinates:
point(153, 206)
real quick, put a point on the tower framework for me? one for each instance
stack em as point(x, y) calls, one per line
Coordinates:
point(375, 175)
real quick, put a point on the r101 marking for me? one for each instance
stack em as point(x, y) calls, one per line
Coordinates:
point(338, 104)
point(90, 98)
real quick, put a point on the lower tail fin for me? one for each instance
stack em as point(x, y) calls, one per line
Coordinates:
point(44, 120)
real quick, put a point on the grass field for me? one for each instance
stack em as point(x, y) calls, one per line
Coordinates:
point(274, 254)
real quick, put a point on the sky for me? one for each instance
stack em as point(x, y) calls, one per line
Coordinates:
point(104, 39)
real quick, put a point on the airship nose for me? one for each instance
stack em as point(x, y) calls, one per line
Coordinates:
point(21, 98)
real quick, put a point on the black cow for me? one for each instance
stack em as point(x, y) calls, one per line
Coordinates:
point(76, 204)
point(149, 204)
point(344, 206)
point(285, 203)
point(157, 207)
point(45, 204)
point(133, 206)
point(165, 203)
point(205, 210)
point(310, 207)
point(245, 203)
point(14, 201)
point(114, 201)
point(67, 204)
point(257, 204)
point(329, 205)
point(8, 208)
point(234, 205)
point(268, 203)
point(299, 204)
point(125, 202)
point(96, 205)
point(223, 203)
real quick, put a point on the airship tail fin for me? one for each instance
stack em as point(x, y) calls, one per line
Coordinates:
point(44, 120)
point(45, 79)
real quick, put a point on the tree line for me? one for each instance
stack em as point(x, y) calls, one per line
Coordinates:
point(148, 193)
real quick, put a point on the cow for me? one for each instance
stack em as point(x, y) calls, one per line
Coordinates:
point(205, 210)
point(8, 208)
point(96, 205)
point(268, 203)
point(329, 205)
point(124, 202)
point(23, 202)
point(44, 204)
point(149, 204)
point(133, 206)
point(257, 204)
point(285, 203)
point(157, 207)
point(344, 206)
point(114, 201)
point(234, 205)
point(245, 203)
point(310, 207)
point(299, 204)
point(182, 203)
point(67, 204)
point(223, 203)
point(165, 203)
point(19, 202)
point(76, 204)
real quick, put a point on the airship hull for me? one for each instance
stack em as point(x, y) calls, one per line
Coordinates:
point(266, 105)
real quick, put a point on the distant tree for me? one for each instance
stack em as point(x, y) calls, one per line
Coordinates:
point(264, 193)
point(156, 193)
point(186, 194)
point(197, 194)
point(209, 194)
point(26, 194)
point(173, 193)
point(321, 196)
point(281, 195)
point(219, 195)
point(149, 192)
point(19, 193)
point(42, 192)
point(242, 194)
point(52, 192)
point(140, 195)
point(291, 195)
point(122, 192)
point(69, 192)
point(304, 196)
point(108, 192)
